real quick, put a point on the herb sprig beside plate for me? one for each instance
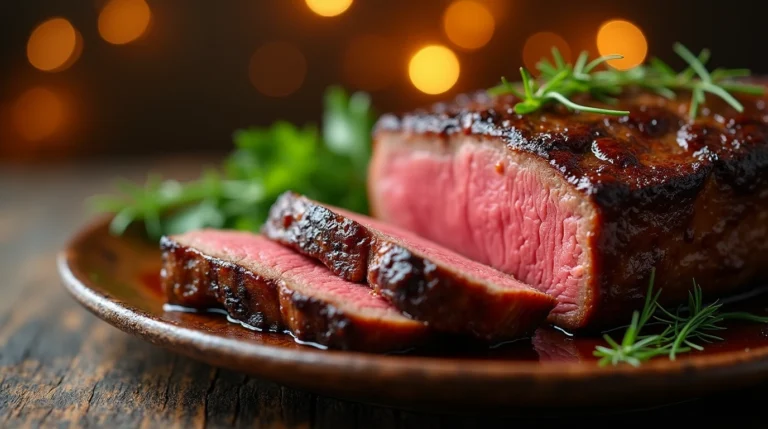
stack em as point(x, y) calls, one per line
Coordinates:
point(681, 331)
point(328, 164)
point(560, 81)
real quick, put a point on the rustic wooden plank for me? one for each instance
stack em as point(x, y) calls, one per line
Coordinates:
point(298, 408)
point(332, 413)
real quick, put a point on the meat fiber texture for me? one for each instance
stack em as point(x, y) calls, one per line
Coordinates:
point(583, 206)
point(449, 292)
point(269, 287)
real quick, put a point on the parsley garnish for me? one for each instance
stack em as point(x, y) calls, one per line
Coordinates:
point(330, 167)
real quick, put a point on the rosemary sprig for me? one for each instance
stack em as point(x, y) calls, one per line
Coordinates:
point(560, 81)
point(634, 348)
point(682, 332)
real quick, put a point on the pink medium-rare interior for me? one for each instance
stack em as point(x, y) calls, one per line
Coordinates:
point(305, 275)
point(438, 254)
point(477, 198)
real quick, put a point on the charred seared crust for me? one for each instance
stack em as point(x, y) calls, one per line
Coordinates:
point(341, 244)
point(314, 320)
point(311, 319)
point(428, 292)
point(653, 149)
point(195, 280)
point(443, 299)
point(192, 279)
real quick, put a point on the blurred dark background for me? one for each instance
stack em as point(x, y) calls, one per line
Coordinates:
point(95, 78)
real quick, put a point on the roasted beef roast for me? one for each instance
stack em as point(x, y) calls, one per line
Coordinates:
point(582, 206)
point(272, 288)
point(425, 280)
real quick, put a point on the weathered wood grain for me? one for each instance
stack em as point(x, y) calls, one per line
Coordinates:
point(62, 367)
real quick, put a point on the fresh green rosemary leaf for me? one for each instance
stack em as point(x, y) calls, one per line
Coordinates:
point(720, 74)
point(662, 68)
point(505, 87)
point(696, 64)
point(598, 61)
point(684, 329)
point(559, 61)
point(560, 81)
point(562, 99)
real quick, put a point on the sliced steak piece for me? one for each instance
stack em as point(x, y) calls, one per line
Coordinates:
point(433, 284)
point(582, 205)
point(270, 287)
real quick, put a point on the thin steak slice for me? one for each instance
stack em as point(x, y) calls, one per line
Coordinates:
point(433, 284)
point(270, 287)
point(583, 206)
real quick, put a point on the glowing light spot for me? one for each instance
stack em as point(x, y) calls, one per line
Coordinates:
point(623, 38)
point(468, 24)
point(38, 114)
point(370, 62)
point(277, 69)
point(123, 21)
point(54, 45)
point(329, 7)
point(539, 46)
point(434, 69)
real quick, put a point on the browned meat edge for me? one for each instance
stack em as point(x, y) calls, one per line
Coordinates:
point(194, 280)
point(688, 198)
point(444, 298)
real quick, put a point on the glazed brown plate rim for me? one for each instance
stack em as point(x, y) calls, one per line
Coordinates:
point(122, 315)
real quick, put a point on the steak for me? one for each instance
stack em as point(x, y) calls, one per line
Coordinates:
point(268, 286)
point(430, 283)
point(581, 205)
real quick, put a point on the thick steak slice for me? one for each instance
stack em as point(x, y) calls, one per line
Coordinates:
point(270, 287)
point(448, 291)
point(582, 206)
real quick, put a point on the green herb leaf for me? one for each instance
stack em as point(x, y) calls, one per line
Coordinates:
point(682, 332)
point(559, 82)
point(331, 167)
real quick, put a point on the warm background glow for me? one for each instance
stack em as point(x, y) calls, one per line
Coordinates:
point(132, 75)
point(539, 46)
point(624, 38)
point(468, 24)
point(38, 114)
point(54, 45)
point(277, 69)
point(123, 21)
point(370, 62)
point(329, 7)
point(434, 69)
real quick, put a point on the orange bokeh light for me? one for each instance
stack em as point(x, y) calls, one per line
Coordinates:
point(623, 38)
point(539, 46)
point(329, 7)
point(123, 21)
point(434, 69)
point(38, 114)
point(369, 62)
point(54, 45)
point(277, 69)
point(468, 24)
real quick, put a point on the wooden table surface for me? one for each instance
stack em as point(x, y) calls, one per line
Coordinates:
point(62, 367)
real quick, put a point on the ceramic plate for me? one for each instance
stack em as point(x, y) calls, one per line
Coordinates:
point(117, 278)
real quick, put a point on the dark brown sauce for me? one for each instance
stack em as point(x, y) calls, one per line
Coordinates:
point(151, 281)
point(548, 343)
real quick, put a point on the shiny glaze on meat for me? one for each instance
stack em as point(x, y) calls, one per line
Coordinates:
point(687, 197)
point(416, 276)
point(269, 303)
